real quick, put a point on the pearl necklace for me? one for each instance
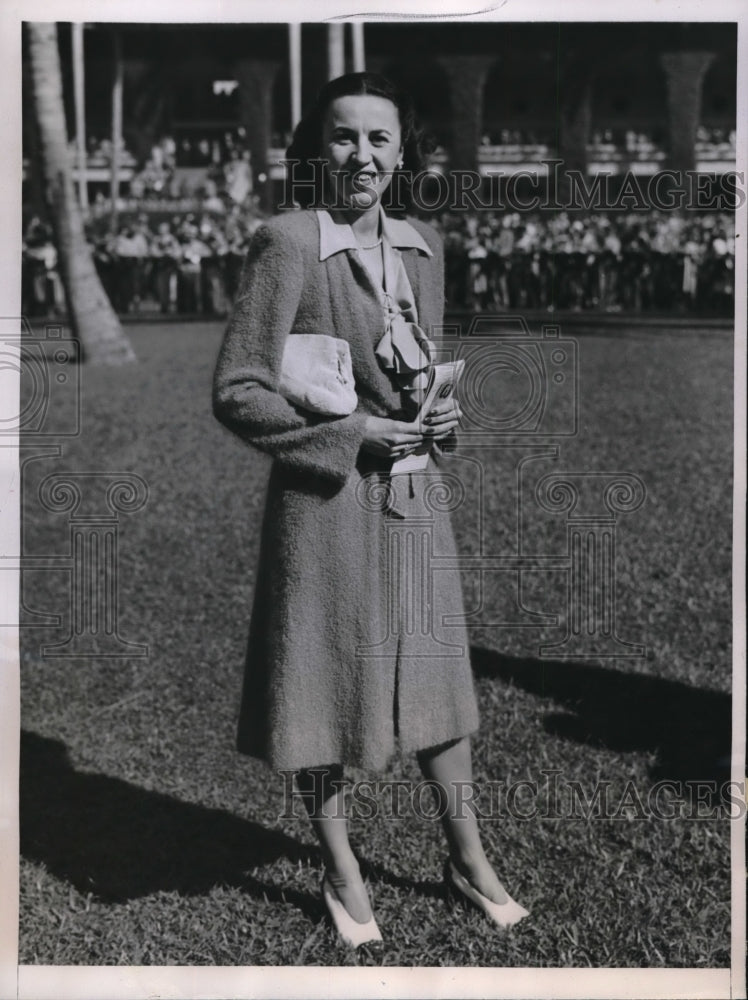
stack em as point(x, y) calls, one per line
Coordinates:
point(372, 246)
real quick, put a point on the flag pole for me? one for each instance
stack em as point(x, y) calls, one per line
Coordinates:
point(116, 126)
point(335, 51)
point(359, 57)
point(294, 59)
point(80, 113)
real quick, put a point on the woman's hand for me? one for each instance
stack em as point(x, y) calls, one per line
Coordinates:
point(391, 438)
point(442, 420)
point(395, 438)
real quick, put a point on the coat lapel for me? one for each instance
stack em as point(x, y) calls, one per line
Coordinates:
point(412, 262)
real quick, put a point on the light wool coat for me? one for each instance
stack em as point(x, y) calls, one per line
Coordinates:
point(355, 647)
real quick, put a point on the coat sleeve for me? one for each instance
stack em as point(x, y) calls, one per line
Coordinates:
point(245, 384)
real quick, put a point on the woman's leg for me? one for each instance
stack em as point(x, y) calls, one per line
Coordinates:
point(323, 793)
point(450, 768)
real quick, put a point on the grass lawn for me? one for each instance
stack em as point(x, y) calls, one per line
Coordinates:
point(147, 840)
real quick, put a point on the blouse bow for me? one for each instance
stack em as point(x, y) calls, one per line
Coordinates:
point(404, 351)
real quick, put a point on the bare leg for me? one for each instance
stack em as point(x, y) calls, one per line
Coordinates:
point(450, 767)
point(322, 789)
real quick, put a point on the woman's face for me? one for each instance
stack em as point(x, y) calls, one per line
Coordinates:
point(361, 143)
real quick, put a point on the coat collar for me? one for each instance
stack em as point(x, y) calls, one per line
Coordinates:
point(335, 236)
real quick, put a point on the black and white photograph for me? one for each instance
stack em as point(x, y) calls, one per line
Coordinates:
point(373, 501)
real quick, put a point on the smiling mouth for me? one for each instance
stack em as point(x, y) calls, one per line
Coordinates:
point(365, 180)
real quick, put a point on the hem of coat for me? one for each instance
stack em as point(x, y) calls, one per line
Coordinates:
point(246, 749)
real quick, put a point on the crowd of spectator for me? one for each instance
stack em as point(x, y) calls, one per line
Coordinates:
point(637, 261)
point(223, 167)
point(207, 148)
point(99, 152)
point(186, 264)
point(176, 168)
point(181, 237)
point(189, 263)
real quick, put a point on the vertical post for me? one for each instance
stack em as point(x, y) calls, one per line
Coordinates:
point(467, 77)
point(684, 78)
point(357, 36)
point(256, 78)
point(116, 125)
point(294, 59)
point(335, 51)
point(574, 116)
point(80, 113)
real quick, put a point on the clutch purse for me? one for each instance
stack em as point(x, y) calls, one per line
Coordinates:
point(317, 374)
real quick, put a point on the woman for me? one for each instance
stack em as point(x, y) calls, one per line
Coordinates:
point(336, 673)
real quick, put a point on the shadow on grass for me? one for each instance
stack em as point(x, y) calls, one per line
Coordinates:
point(110, 838)
point(117, 841)
point(686, 728)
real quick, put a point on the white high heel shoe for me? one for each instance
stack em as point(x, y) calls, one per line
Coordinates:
point(351, 932)
point(502, 914)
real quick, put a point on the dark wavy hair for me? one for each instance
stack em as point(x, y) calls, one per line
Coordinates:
point(307, 183)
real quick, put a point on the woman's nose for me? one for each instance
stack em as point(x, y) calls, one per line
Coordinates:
point(362, 152)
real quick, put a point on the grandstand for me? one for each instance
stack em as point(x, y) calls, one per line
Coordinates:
point(207, 111)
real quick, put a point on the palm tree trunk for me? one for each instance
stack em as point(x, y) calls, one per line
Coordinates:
point(92, 318)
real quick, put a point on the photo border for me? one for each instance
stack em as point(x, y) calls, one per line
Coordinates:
point(103, 983)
